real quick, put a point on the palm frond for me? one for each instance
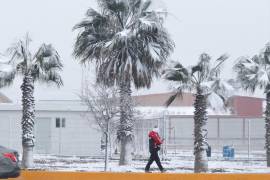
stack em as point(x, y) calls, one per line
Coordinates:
point(93, 19)
point(199, 77)
point(116, 8)
point(95, 33)
point(177, 94)
point(49, 77)
point(266, 52)
point(7, 74)
point(252, 73)
point(204, 70)
point(215, 71)
point(47, 58)
point(216, 102)
point(223, 88)
point(129, 44)
point(146, 4)
point(178, 73)
point(20, 55)
point(47, 65)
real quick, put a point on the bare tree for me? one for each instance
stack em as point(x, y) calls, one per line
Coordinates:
point(103, 104)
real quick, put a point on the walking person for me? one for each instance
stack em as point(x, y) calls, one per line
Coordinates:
point(154, 146)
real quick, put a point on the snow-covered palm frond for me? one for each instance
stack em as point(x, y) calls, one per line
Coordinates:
point(176, 73)
point(47, 65)
point(44, 66)
point(145, 5)
point(179, 77)
point(47, 57)
point(253, 72)
point(216, 67)
point(20, 55)
point(93, 36)
point(265, 52)
point(207, 86)
point(131, 43)
point(223, 89)
point(49, 76)
point(113, 7)
point(150, 22)
point(200, 72)
point(7, 74)
point(215, 102)
point(178, 89)
point(203, 76)
point(177, 94)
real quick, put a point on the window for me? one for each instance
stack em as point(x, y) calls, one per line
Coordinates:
point(60, 122)
point(57, 122)
point(63, 122)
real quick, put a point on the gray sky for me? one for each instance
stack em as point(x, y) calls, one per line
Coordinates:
point(236, 27)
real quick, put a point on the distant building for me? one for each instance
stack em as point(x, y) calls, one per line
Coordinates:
point(4, 99)
point(66, 128)
point(61, 127)
point(246, 106)
point(242, 106)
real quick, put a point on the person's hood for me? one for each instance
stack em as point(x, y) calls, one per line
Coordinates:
point(152, 134)
point(156, 130)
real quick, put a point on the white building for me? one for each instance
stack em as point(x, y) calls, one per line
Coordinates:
point(62, 127)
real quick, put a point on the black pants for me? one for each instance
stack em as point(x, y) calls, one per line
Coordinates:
point(154, 157)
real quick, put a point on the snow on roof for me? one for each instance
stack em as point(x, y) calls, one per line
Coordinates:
point(77, 105)
point(66, 105)
point(183, 110)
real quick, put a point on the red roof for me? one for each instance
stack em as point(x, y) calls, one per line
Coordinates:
point(246, 106)
point(160, 99)
point(240, 105)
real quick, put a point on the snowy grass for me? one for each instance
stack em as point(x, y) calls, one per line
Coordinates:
point(179, 162)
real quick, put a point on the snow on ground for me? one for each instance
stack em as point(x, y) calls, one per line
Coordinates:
point(179, 162)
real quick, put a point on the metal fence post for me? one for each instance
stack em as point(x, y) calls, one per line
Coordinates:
point(248, 139)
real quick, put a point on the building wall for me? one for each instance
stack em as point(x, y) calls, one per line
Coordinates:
point(247, 106)
point(10, 131)
point(160, 100)
point(80, 136)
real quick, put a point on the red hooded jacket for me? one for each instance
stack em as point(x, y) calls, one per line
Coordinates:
point(154, 135)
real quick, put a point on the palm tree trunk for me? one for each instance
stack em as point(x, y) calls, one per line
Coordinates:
point(200, 132)
point(125, 130)
point(28, 116)
point(267, 128)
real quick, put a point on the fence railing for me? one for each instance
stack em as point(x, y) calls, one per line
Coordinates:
point(245, 134)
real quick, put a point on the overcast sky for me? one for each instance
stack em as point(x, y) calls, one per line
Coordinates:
point(236, 27)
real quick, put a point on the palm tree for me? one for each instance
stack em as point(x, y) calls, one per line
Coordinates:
point(43, 66)
point(129, 45)
point(254, 73)
point(210, 90)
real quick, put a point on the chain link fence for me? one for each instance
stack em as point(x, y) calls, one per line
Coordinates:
point(244, 134)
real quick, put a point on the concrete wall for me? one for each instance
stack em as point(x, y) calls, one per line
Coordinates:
point(80, 136)
point(10, 131)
